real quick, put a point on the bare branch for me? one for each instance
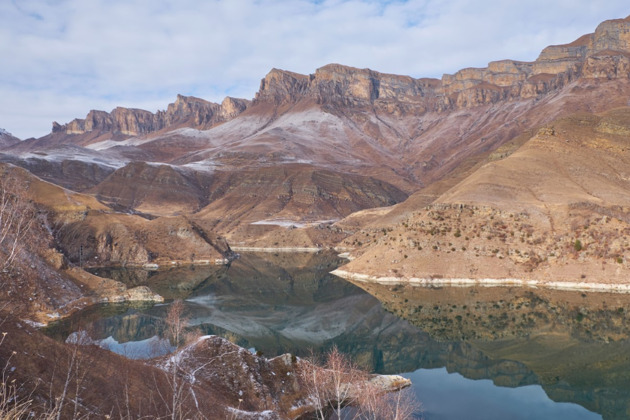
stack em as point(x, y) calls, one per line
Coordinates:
point(17, 214)
point(339, 384)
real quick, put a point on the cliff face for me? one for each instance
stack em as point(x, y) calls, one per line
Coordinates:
point(186, 110)
point(603, 54)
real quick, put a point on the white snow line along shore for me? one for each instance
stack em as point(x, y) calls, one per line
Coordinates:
point(467, 282)
point(280, 249)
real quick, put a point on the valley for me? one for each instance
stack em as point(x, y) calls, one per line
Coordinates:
point(516, 174)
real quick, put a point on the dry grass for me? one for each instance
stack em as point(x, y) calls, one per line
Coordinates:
point(520, 217)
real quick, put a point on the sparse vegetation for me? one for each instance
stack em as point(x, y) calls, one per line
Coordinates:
point(338, 383)
point(17, 214)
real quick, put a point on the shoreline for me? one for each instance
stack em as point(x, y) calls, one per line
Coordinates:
point(277, 249)
point(468, 282)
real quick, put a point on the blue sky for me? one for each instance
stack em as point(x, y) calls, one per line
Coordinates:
point(61, 58)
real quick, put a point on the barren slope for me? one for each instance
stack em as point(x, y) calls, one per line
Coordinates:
point(520, 217)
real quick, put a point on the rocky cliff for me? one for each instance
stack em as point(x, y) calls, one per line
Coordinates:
point(603, 54)
point(186, 110)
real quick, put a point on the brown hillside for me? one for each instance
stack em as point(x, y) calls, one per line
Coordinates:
point(520, 217)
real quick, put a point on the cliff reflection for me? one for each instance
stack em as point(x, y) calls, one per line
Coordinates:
point(573, 344)
point(576, 345)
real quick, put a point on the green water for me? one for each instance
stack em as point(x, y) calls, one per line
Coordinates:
point(474, 353)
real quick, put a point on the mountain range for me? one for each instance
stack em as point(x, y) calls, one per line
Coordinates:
point(490, 172)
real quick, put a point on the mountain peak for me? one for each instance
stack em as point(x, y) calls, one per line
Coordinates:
point(181, 99)
point(7, 139)
point(186, 110)
point(280, 86)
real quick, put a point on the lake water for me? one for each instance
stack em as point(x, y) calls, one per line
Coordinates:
point(472, 353)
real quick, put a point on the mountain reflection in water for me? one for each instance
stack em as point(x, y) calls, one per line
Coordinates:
point(573, 345)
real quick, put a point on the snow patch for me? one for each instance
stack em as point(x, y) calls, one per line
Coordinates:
point(307, 120)
point(108, 144)
point(75, 154)
point(34, 324)
point(194, 133)
point(292, 223)
point(206, 165)
point(143, 349)
point(277, 249)
point(241, 414)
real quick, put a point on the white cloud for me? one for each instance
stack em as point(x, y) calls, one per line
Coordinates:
point(62, 58)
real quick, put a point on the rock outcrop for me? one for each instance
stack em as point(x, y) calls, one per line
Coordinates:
point(186, 110)
point(7, 139)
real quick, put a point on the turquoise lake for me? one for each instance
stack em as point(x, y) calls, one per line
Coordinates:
point(473, 353)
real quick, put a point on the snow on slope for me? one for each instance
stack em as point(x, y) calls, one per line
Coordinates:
point(76, 153)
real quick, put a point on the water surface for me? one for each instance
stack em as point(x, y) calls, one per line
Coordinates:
point(486, 353)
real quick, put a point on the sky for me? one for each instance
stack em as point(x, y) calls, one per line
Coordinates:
point(62, 58)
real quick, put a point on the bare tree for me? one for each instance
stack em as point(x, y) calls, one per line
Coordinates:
point(11, 406)
point(179, 378)
point(17, 214)
point(338, 389)
point(17, 403)
point(75, 375)
point(329, 386)
point(176, 323)
point(373, 403)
